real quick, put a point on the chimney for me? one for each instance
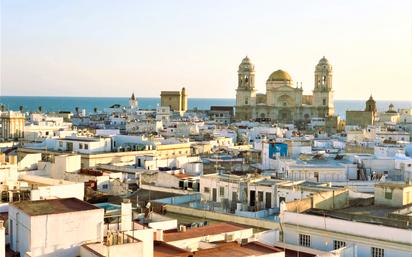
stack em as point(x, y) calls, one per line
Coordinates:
point(126, 213)
point(159, 235)
point(13, 159)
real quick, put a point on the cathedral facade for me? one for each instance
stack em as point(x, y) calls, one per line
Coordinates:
point(284, 102)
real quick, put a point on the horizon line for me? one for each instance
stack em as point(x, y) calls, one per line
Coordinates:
point(222, 98)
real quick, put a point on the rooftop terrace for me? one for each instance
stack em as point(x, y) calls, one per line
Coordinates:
point(53, 206)
point(213, 229)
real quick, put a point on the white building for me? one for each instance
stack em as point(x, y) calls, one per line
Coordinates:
point(351, 237)
point(53, 228)
point(78, 144)
point(191, 165)
point(163, 114)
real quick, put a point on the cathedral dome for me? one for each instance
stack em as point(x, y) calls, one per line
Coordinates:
point(280, 75)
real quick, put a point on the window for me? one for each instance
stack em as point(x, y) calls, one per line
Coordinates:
point(105, 186)
point(246, 101)
point(377, 252)
point(338, 244)
point(304, 240)
point(324, 101)
point(388, 194)
point(222, 191)
point(80, 146)
point(86, 146)
point(260, 196)
point(60, 144)
point(206, 190)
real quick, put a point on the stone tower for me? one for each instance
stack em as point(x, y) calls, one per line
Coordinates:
point(133, 102)
point(323, 92)
point(371, 105)
point(183, 97)
point(246, 91)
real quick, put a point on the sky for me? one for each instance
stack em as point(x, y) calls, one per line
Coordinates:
point(114, 48)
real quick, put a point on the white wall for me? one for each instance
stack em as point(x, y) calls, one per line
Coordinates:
point(62, 234)
point(350, 227)
point(29, 161)
point(58, 191)
point(193, 243)
point(2, 241)
point(65, 163)
point(146, 236)
point(164, 225)
point(56, 235)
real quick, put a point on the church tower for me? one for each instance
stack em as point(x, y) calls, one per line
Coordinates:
point(323, 93)
point(370, 105)
point(133, 102)
point(246, 91)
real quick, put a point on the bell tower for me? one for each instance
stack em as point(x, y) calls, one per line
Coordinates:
point(133, 102)
point(246, 91)
point(323, 93)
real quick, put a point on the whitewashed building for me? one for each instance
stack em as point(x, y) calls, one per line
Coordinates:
point(53, 228)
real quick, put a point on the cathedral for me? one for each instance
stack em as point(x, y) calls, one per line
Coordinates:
point(283, 101)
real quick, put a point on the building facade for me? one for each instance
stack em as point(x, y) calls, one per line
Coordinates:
point(11, 125)
point(176, 100)
point(363, 118)
point(283, 102)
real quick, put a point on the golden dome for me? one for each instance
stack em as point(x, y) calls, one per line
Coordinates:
point(280, 75)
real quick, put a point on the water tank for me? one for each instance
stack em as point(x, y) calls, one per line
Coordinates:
point(408, 150)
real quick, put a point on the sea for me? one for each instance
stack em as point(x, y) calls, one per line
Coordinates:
point(61, 103)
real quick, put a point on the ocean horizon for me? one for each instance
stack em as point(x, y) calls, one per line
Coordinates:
point(69, 103)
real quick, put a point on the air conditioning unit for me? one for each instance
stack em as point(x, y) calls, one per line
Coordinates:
point(229, 237)
point(244, 241)
point(182, 228)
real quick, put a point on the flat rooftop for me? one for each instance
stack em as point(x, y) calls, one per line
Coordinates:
point(233, 249)
point(53, 206)
point(44, 181)
point(80, 139)
point(372, 214)
point(393, 184)
point(162, 249)
point(213, 229)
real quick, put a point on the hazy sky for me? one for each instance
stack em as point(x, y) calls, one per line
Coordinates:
point(114, 47)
